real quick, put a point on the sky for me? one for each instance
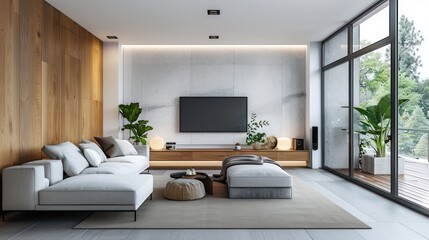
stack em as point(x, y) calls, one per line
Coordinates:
point(376, 27)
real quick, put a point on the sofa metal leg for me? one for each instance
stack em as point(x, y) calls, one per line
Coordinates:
point(135, 216)
point(151, 196)
point(3, 215)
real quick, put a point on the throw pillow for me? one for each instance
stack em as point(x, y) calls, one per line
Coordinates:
point(110, 146)
point(92, 156)
point(85, 144)
point(73, 160)
point(126, 147)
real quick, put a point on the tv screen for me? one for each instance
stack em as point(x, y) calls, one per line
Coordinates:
point(213, 114)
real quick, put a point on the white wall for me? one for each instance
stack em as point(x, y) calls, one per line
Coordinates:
point(314, 115)
point(112, 88)
point(272, 77)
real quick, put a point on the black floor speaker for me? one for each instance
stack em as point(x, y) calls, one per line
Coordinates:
point(298, 144)
point(315, 138)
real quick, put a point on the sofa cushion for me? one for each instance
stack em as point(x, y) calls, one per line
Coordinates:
point(93, 158)
point(266, 175)
point(85, 144)
point(112, 168)
point(98, 189)
point(126, 147)
point(73, 160)
point(110, 146)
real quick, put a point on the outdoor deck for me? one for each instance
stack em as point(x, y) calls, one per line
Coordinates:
point(413, 185)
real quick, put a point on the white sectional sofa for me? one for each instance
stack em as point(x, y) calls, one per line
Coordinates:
point(115, 185)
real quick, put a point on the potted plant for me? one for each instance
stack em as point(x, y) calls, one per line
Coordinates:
point(138, 128)
point(375, 125)
point(237, 146)
point(255, 138)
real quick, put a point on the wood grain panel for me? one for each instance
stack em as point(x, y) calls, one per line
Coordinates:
point(293, 156)
point(43, 91)
point(210, 156)
point(9, 83)
point(170, 156)
point(52, 57)
point(30, 80)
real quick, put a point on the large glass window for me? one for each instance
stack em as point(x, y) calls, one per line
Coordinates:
point(335, 48)
point(367, 138)
point(413, 78)
point(337, 118)
point(371, 28)
point(372, 160)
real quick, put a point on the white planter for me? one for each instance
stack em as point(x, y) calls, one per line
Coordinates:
point(143, 150)
point(380, 165)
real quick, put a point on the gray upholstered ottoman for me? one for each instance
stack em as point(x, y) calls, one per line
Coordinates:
point(258, 181)
point(184, 189)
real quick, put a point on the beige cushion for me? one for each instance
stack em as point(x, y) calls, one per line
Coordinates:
point(184, 189)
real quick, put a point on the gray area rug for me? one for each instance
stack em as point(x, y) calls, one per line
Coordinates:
point(307, 209)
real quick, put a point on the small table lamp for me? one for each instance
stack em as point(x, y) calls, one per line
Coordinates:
point(284, 143)
point(157, 143)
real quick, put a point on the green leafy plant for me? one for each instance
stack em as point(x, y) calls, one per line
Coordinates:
point(138, 128)
point(253, 136)
point(375, 121)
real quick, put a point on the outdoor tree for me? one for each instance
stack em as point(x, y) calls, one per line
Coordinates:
point(409, 41)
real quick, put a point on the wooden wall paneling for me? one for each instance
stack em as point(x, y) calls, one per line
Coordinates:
point(85, 87)
point(30, 80)
point(52, 55)
point(96, 87)
point(45, 87)
point(71, 102)
point(9, 83)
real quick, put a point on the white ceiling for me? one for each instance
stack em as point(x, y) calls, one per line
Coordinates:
point(161, 22)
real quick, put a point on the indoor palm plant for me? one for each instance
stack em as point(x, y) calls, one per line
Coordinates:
point(138, 128)
point(375, 123)
point(255, 138)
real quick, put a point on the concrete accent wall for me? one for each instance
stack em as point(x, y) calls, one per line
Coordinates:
point(272, 77)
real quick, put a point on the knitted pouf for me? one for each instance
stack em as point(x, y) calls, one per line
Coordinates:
point(184, 189)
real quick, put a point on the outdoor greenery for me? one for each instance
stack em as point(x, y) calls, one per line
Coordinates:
point(253, 136)
point(138, 128)
point(374, 78)
point(375, 121)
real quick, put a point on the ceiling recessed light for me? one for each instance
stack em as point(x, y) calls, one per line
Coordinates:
point(213, 37)
point(213, 12)
point(112, 37)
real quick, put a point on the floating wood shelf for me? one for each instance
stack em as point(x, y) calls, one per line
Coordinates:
point(212, 158)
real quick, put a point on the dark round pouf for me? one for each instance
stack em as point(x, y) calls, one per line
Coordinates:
point(184, 189)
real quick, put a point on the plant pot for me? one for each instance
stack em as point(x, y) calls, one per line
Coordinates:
point(142, 150)
point(380, 165)
point(257, 146)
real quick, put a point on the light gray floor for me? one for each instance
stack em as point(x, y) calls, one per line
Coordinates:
point(387, 219)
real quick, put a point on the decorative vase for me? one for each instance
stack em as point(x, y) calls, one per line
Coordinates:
point(257, 145)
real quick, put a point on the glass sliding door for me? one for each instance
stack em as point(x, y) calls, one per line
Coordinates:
point(371, 118)
point(413, 85)
point(357, 70)
point(336, 117)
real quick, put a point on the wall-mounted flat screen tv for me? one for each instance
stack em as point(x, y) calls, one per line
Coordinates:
point(213, 114)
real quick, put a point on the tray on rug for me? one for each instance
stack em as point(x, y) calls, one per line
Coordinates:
point(308, 209)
